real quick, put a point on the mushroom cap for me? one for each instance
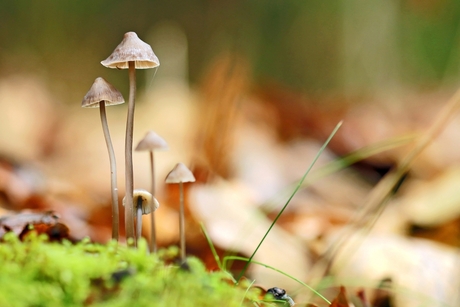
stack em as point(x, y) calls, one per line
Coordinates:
point(152, 141)
point(180, 173)
point(132, 49)
point(101, 90)
point(149, 203)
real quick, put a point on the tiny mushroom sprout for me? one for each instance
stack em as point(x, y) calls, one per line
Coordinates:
point(132, 53)
point(103, 94)
point(180, 174)
point(145, 204)
point(151, 142)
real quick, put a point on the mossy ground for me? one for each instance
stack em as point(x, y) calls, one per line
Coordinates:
point(39, 273)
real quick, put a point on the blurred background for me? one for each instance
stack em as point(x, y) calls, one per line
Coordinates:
point(246, 94)
point(313, 47)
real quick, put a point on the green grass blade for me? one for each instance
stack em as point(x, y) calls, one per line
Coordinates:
point(246, 292)
point(211, 246)
point(248, 260)
point(290, 198)
point(342, 163)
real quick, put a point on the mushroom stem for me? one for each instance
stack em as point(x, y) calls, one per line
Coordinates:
point(139, 218)
point(129, 219)
point(153, 234)
point(113, 171)
point(180, 174)
point(182, 223)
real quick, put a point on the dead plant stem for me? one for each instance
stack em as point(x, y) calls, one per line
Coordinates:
point(382, 192)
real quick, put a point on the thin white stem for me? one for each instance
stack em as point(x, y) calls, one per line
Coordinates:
point(139, 218)
point(129, 218)
point(182, 223)
point(113, 171)
point(153, 235)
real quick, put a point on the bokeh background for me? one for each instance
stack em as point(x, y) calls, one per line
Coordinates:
point(314, 46)
point(246, 93)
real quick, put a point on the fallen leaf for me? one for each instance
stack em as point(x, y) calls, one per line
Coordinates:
point(18, 222)
point(341, 299)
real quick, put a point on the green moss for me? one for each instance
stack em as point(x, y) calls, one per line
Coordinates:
point(39, 273)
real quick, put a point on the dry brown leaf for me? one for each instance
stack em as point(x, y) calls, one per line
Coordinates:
point(341, 299)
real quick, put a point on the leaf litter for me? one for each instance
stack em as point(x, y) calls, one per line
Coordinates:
point(225, 169)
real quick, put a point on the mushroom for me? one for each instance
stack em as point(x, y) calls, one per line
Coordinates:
point(103, 94)
point(151, 142)
point(145, 204)
point(132, 53)
point(180, 174)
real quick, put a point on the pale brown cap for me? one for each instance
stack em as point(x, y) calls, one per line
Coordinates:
point(152, 141)
point(101, 90)
point(132, 49)
point(180, 173)
point(149, 203)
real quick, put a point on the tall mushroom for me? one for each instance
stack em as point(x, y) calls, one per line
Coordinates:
point(103, 94)
point(151, 142)
point(132, 53)
point(180, 174)
point(145, 204)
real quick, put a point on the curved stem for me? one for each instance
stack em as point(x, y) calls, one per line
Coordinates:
point(113, 171)
point(290, 198)
point(153, 234)
point(276, 270)
point(182, 223)
point(129, 218)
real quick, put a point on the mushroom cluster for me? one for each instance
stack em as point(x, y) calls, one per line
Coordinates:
point(132, 53)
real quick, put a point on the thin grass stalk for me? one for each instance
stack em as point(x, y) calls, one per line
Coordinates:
point(342, 163)
point(211, 246)
point(246, 293)
point(248, 260)
point(289, 200)
point(382, 192)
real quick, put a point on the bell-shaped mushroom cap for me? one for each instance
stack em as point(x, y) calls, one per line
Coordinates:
point(149, 203)
point(180, 173)
point(132, 49)
point(101, 90)
point(152, 141)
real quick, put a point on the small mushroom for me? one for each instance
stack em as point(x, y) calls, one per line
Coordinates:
point(180, 174)
point(145, 204)
point(103, 94)
point(132, 49)
point(132, 53)
point(151, 142)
